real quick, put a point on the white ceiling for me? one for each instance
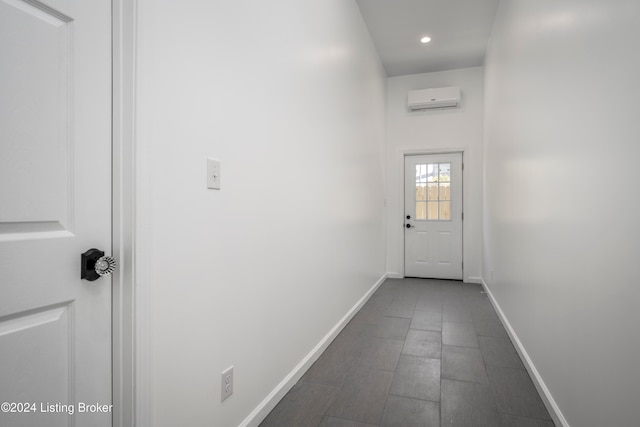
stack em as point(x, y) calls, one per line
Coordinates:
point(459, 30)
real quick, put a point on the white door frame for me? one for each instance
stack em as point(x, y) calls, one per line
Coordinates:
point(127, 394)
point(401, 153)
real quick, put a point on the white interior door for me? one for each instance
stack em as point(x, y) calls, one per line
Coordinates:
point(55, 203)
point(433, 216)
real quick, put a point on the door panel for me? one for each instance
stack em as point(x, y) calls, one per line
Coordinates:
point(45, 370)
point(433, 212)
point(36, 140)
point(421, 247)
point(444, 248)
point(55, 203)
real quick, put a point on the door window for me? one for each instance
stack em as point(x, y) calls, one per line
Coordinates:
point(433, 192)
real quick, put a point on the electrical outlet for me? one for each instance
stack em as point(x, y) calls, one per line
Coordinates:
point(226, 383)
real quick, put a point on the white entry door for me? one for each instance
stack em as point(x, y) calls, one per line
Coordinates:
point(433, 216)
point(55, 203)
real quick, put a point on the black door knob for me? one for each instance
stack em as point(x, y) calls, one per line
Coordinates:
point(408, 216)
point(408, 225)
point(93, 264)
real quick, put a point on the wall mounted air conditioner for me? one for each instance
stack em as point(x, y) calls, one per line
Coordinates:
point(441, 97)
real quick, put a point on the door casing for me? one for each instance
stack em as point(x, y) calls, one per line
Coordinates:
point(125, 316)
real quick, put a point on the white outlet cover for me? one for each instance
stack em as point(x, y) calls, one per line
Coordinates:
point(226, 383)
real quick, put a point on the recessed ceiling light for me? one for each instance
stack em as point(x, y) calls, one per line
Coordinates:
point(425, 39)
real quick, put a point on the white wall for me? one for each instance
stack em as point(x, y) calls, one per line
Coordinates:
point(290, 96)
point(431, 131)
point(561, 198)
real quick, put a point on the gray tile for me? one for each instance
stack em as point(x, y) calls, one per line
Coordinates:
point(454, 298)
point(476, 288)
point(405, 412)
point(359, 327)
point(332, 366)
point(464, 364)
point(392, 285)
point(368, 314)
point(427, 320)
point(346, 347)
point(380, 326)
point(340, 422)
point(490, 328)
point(379, 301)
point(468, 404)
point(401, 307)
point(459, 334)
point(428, 303)
point(515, 393)
point(453, 286)
point(380, 353)
point(304, 405)
point(423, 344)
point(362, 396)
point(429, 290)
point(456, 312)
point(390, 327)
point(499, 352)
point(327, 371)
point(513, 421)
point(417, 377)
point(484, 310)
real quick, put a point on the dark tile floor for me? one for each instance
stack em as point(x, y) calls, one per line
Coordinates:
point(419, 353)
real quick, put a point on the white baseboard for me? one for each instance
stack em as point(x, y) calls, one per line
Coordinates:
point(262, 410)
point(547, 399)
point(394, 276)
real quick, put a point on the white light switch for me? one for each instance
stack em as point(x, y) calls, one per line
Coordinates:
point(213, 174)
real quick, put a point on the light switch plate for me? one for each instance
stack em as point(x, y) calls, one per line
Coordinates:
point(213, 174)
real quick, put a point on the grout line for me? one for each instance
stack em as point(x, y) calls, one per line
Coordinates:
point(468, 382)
point(413, 398)
point(450, 321)
point(398, 317)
